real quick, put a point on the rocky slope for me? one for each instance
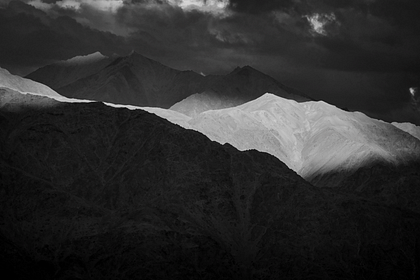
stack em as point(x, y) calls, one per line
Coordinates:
point(322, 143)
point(94, 192)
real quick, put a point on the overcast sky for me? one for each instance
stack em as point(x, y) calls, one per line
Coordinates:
point(360, 54)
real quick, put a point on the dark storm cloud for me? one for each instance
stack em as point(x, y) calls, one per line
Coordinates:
point(259, 6)
point(31, 38)
point(188, 38)
point(163, 29)
point(366, 35)
point(50, 1)
point(401, 12)
point(300, 6)
point(348, 52)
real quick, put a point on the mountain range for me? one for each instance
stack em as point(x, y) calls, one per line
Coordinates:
point(268, 188)
point(65, 72)
point(140, 81)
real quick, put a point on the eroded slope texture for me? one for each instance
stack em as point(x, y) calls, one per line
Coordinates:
point(327, 146)
point(93, 192)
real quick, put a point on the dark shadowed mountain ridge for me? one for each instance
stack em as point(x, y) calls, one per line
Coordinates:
point(136, 80)
point(238, 87)
point(65, 72)
point(94, 192)
point(140, 81)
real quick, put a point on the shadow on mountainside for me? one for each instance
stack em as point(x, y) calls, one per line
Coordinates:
point(94, 192)
point(394, 185)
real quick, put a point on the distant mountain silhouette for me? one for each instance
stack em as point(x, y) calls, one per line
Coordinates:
point(63, 73)
point(240, 86)
point(140, 81)
point(88, 191)
point(132, 80)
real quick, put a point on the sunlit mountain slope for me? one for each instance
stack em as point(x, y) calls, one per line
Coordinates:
point(23, 85)
point(89, 191)
point(312, 138)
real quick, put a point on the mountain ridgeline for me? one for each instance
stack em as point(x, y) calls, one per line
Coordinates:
point(140, 81)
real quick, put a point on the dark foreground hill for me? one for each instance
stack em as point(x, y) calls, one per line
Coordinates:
point(94, 192)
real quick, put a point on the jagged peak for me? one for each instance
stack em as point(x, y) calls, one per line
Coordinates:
point(270, 98)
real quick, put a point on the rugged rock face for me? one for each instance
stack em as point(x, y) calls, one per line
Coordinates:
point(94, 192)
